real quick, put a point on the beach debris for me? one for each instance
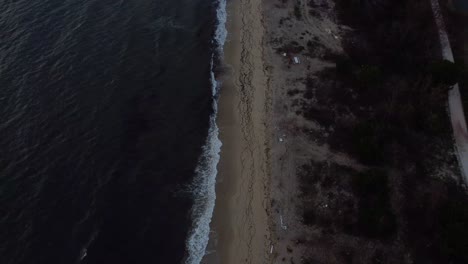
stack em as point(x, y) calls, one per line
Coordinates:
point(271, 249)
point(284, 54)
point(281, 139)
point(282, 224)
point(296, 60)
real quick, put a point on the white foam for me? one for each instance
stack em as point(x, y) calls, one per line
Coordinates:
point(204, 193)
point(84, 250)
point(221, 32)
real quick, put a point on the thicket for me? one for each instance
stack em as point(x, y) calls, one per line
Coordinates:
point(395, 83)
point(395, 67)
point(375, 216)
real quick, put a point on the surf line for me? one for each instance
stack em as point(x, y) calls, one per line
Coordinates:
point(204, 193)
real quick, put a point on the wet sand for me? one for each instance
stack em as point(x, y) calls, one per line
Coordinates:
point(240, 227)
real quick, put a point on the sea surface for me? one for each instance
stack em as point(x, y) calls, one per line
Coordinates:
point(108, 141)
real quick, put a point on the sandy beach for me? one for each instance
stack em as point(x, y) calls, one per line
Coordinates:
point(256, 218)
point(240, 223)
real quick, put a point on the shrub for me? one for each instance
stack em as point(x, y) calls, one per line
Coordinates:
point(375, 216)
point(291, 47)
point(344, 65)
point(297, 11)
point(367, 143)
point(446, 72)
point(309, 217)
point(454, 230)
point(369, 75)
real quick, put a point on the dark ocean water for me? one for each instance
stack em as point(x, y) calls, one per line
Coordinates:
point(104, 108)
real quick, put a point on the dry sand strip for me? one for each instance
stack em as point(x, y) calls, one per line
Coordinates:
point(240, 221)
point(457, 115)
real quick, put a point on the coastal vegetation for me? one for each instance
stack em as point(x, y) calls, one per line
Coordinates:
point(375, 217)
point(389, 92)
point(297, 10)
point(447, 72)
point(456, 24)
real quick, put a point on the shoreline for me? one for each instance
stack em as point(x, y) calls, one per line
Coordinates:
point(204, 185)
point(240, 230)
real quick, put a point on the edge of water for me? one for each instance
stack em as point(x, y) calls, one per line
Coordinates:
point(203, 188)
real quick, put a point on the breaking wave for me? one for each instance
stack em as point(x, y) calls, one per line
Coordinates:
point(203, 190)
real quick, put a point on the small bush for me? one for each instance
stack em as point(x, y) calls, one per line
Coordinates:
point(446, 72)
point(344, 65)
point(297, 11)
point(291, 47)
point(367, 143)
point(309, 217)
point(375, 216)
point(454, 231)
point(369, 75)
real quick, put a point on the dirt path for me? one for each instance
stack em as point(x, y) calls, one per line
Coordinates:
point(457, 115)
